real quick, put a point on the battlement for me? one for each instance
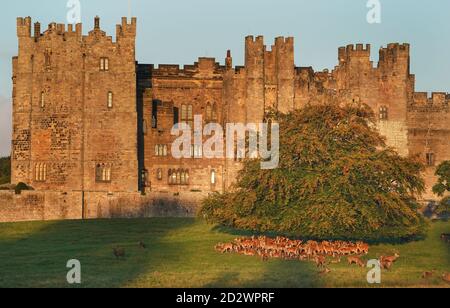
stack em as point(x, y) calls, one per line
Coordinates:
point(251, 39)
point(281, 41)
point(354, 51)
point(125, 28)
point(436, 100)
point(24, 27)
point(204, 64)
point(394, 51)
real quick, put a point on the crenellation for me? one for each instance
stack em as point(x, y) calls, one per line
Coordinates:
point(24, 27)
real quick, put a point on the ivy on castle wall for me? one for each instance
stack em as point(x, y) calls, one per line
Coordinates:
point(5, 170)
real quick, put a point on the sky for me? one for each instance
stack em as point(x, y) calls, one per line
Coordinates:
point(180, 31)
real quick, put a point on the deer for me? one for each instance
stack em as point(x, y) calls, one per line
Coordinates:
point(142, 245)
point(446, 277)
point(391, 259)
point(119, 253)
point(320, 261)
point(355, 260)
point(427, 275)
point(325, 271)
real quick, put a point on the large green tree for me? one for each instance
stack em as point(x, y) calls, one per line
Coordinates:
point(336, 179)
point(443, 186)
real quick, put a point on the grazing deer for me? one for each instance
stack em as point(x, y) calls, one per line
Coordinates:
point(446, 277)
point(445, 237)
point(355, 260)
point(325, 271)
point(427, 275)
point(320, 261)
point(336, 261)
point(119, 253)
point(392, 259)
point(385, 263)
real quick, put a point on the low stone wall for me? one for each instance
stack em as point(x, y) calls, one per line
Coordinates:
point(51, 205)
point(38, 205)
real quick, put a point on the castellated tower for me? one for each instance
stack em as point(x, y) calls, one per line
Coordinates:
point(396, 90)
point(267, 81)
point(387, 88)
point(254, 64)
point(74, 108)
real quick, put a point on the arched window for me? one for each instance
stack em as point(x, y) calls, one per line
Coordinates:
point(145, 177)
point(214, 117)
point(104, 64)
point(383, 113)
point(161, 150)
point(42, 99)
point(208, 113)
point(213, 177)
point(172, 177)
point(187, 115)
point(110, 99)
point(159, 174)
point(178, 177)
point(40, 172)
point(103, 173)
point(144, 127)
point(183, 177)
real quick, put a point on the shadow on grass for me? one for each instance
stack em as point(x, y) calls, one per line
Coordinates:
point(387, 239)
point(35, 254)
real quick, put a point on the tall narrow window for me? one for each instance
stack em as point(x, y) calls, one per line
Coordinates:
point(161, 150)
point(159, 174)
point(48, 59)
point(110, 99)
point(178, 177)
point(196, 151)
point(40, 172)
point(213, 177)
point(208, 113)
point(144, 127)
point(145, 177)
point(214, 113)
point(42, 99)
point(187, 115)
point(430, 159)
point(104, 64)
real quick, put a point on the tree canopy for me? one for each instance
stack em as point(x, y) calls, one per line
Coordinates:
point(337, 179)
point(443, 186)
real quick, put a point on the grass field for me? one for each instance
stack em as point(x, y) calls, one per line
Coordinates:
point(180, 253)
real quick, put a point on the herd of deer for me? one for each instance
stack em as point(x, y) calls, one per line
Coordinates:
point(318, 252)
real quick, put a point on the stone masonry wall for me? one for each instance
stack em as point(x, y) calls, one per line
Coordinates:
point(51, 205)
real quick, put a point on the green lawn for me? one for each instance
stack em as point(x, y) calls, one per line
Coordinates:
point(180, 253)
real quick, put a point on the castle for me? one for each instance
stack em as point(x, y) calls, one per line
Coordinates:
point(91, 126)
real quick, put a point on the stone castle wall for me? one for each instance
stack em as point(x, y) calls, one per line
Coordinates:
point(53, 205)
point(82, 127)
